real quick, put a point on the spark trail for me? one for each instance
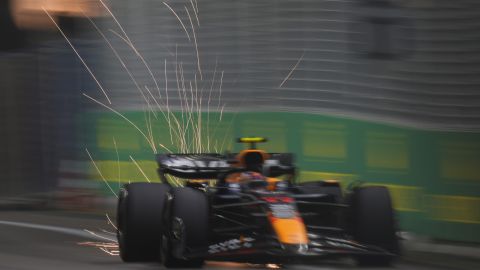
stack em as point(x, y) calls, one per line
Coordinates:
point(291, 71)
point(179, 20)
point(79, 56)
point(152, 145)
point(186, 128)
point(120, 59)
point(100, 173)
point(140, 169)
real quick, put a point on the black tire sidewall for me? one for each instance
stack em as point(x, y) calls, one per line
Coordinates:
point(192, 208)
point(372, 221)
point(139, 221)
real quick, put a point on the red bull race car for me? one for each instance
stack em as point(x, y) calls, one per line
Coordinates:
point(248, 207)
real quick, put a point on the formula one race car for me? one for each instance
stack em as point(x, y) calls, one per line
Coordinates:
point(253, 212)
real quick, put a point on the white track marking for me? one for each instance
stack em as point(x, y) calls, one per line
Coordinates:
point(63, 230)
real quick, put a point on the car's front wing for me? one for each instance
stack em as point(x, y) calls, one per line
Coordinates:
point(252, 250)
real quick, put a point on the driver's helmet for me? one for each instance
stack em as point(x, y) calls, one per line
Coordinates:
point(253, 180)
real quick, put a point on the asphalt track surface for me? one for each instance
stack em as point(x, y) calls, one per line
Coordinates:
point(53, 240)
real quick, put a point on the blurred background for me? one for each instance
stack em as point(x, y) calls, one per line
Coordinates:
point(381, 91)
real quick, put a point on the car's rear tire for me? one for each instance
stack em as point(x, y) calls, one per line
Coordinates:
point(188, 221)
point(372, 222)
point(139, 221)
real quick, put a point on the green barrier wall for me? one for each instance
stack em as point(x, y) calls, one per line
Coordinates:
point(434, 177)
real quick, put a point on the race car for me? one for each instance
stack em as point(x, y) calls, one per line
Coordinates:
point(248, 207)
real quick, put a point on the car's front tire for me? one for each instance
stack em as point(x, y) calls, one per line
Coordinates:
point(372, 222)
point(188, 222)
point(139, 221)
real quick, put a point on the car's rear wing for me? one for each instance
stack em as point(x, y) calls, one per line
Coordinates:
point(211, 165)
point(192, 166)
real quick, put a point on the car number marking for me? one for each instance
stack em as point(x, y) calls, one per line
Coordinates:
point(283, 210)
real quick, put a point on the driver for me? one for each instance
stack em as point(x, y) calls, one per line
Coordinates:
point(252, 160)
point(253, 180)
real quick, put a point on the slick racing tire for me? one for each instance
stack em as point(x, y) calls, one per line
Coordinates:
point(316, 187)
point(372, 222)
point(139, 221)
point(188, 222)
